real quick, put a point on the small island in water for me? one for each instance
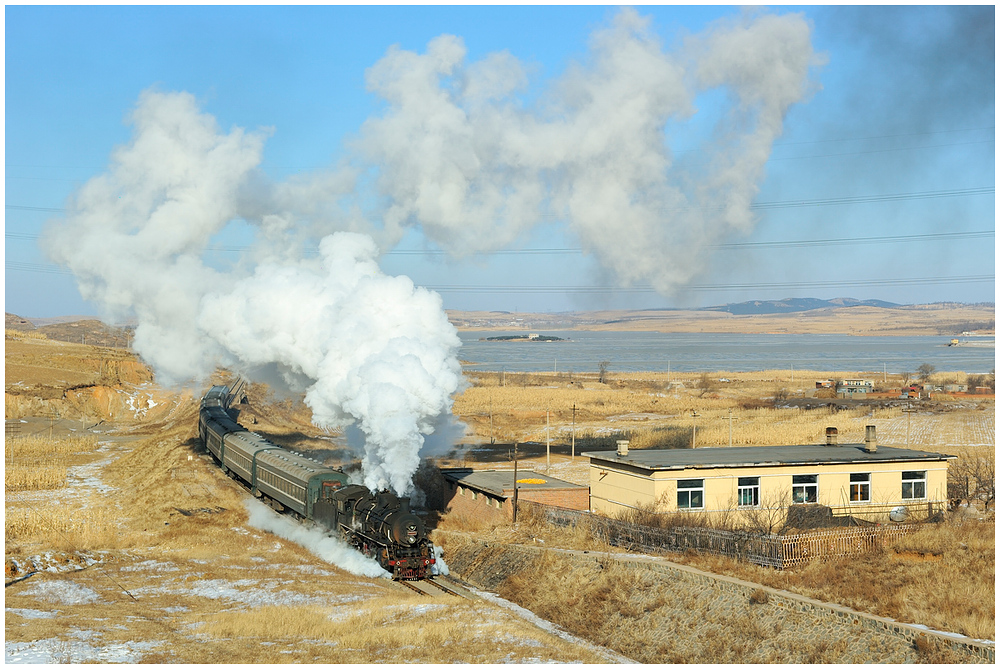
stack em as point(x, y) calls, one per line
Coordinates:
point(518, 337)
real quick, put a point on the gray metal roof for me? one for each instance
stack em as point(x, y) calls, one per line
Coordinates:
point(761, 456)
point(497, 481)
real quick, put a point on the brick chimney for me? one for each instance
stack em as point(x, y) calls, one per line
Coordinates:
point(831, 436)
point(622, 448)
point(871, 441)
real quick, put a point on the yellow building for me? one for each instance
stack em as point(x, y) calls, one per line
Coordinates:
point(865, 481)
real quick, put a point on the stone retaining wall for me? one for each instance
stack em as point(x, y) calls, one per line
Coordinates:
point(694, 616)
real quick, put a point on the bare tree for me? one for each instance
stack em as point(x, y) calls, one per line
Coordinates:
point(706, 384)
point(769, 516)
point(602, 370)
point(972, 478)
point(924, 371)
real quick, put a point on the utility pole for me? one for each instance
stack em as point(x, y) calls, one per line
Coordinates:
point(730, 427)
point(883, 373)
point(514, 512)
point(694, 428)
point(572, 448)
point(492, 440)
point(548, 441)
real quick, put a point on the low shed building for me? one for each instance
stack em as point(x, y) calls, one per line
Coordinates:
point(865, 481)
point(489, 494)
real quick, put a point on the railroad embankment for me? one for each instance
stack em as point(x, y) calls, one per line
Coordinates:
point(652, 610)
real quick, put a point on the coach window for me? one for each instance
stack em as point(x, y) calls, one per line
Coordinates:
point(805, 489)
point(691, 494)
point(748, 491)
point(861, 487)
point(914, 485)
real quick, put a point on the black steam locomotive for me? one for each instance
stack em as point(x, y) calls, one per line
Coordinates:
point(380, 525)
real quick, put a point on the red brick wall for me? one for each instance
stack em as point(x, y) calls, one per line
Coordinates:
point(568, 498)
point(479, 509)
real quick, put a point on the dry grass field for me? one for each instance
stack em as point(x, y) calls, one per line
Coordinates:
point(123, 543)
point(145, 551)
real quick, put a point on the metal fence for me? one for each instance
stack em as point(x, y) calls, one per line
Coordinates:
point(772, 550)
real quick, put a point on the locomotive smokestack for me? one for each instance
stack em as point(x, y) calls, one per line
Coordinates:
point(871, 441)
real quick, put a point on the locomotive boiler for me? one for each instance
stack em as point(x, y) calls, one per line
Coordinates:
point(378, 524)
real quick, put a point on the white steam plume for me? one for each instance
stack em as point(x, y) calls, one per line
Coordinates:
point(328, 548)
point(367, 349)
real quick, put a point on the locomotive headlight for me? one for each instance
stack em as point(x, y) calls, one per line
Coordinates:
point(411, 533)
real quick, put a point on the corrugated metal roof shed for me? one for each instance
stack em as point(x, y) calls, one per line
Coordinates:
point(500, 482)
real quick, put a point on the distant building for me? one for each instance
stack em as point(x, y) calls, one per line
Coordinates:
point(826, 383)
point(851, 387)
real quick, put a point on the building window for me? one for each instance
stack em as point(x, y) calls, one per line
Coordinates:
point(748, 491)
point(914, 485)
point(805, 489)
point(691, 494)
point(861, 490)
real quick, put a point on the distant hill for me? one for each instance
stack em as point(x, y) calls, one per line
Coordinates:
point(14, 322)
point(75, 329)
point(795, 304)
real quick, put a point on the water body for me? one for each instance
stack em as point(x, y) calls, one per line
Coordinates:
point(710, 352)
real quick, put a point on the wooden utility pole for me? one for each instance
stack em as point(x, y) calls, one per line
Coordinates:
point(694, 428)
point(492, 440)
point(572, 448)
point(514, 513)
point(730, 427)
point(548, 442)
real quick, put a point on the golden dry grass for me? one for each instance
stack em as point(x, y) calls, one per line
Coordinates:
point(942, 576)
point(18, 335)
point(38, 463)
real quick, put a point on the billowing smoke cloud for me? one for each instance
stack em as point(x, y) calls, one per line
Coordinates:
point(366, 348)
point(330, 549)
point(458, 156)
point(455, 153)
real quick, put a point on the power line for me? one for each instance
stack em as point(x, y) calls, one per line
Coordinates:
point(838, 241)
point(914, 281)
point(783, 204)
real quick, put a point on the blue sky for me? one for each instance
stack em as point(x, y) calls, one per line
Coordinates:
point(880, 184)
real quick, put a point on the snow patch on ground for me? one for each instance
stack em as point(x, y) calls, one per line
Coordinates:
point(248, 592)
point(66, 593)
point(32, 613)
point(56, 651)
point(152, 565)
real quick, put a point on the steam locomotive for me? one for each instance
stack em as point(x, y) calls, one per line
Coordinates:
point(380, 525)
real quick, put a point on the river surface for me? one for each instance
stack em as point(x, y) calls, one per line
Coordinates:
point(711, 352)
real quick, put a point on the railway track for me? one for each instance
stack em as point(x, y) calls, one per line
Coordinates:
point(436, 587)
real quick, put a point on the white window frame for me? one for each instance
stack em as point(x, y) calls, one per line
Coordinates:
point(744, 486)
point(860, 488)
point(690, 487)
point(805, 486)
point(912, 483)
